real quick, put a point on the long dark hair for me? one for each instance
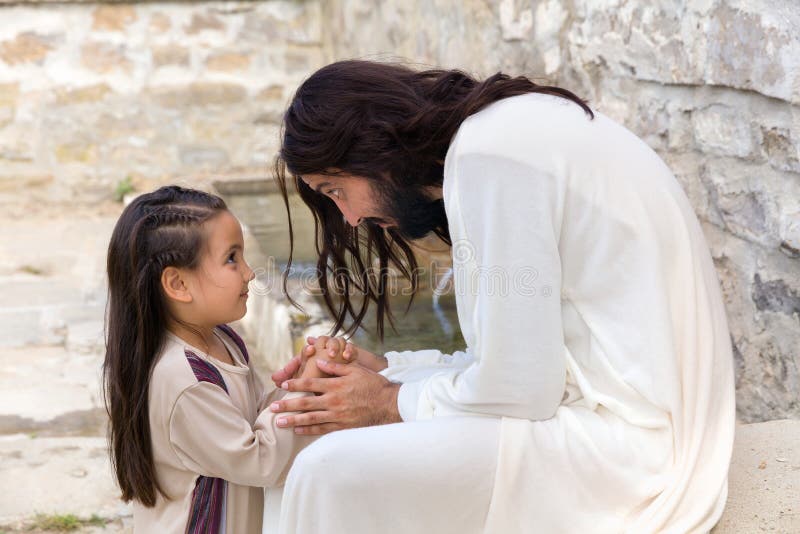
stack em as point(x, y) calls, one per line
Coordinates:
point(381, 121)
point(157, 230)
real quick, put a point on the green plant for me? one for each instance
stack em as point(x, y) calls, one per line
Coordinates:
point(30, 269)
point(58, 522)
point(63, 522)
point(96, 521)
point(123, 187)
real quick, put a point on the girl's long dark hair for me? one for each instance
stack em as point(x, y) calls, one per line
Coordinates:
point(157, 230)
point(381, 121)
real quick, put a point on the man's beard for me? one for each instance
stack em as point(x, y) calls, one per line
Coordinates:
point(413, 212)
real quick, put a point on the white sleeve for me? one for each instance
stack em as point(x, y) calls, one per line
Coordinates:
point(505, 216)
point(427, 357)
point(412, 366)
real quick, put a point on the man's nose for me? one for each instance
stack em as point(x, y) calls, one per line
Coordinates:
point(350, 216)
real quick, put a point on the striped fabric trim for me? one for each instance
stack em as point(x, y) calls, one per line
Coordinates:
point(208, 496)
point(207, 501)
point(236, 339)
point(204, 371)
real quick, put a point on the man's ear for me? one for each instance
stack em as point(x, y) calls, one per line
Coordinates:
point(174, 286)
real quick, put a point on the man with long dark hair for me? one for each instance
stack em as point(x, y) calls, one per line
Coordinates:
point(596, 390)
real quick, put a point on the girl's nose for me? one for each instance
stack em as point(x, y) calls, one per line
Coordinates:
point(250, 274)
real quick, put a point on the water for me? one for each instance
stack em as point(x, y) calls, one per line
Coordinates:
point(423, 327)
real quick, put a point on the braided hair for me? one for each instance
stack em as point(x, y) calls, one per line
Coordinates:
point(157, 230)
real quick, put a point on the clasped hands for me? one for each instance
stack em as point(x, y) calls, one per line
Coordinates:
point(349, 392)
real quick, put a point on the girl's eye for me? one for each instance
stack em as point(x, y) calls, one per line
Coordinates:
point(335, 193)
point(232, 257)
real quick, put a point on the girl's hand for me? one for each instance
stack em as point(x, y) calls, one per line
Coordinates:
point(365, 358)
point(339, 350)
point(334, 349)
point(289, 370)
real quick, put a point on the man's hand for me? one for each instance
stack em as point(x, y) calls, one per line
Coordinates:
point(354, 397)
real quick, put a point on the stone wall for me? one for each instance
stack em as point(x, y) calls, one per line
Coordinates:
point(91, 94)
point(94, 95)
point(713, 86)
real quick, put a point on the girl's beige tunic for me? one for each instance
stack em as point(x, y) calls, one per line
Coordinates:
point(199, 429)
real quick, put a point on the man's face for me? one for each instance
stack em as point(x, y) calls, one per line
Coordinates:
point(412, 212)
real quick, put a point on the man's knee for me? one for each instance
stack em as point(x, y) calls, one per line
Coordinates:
point(321, 463)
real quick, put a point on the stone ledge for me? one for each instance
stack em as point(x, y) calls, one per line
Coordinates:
point(764, 480)
point(104, 2)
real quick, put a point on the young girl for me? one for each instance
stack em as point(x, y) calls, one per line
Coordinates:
point(190, 442)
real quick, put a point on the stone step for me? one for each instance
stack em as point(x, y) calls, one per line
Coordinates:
point(57, 476)
point(45, 383)
point(38, 310)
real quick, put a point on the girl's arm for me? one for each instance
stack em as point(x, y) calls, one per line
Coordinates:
point(210, 437)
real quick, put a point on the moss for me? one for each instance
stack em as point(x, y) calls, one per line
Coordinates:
point(64, 522)
point(123, 187)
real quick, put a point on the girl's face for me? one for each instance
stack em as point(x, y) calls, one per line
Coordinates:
point(219, 284)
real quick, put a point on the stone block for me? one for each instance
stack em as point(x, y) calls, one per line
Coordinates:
point(77, 153)
point(113, 17)
point(20, 182)
point(285, 22)
point(104, 57)
point(228, 61)
point(790, 235)
point(271, 93)
point(515, 24)
point(7, 115)
point(82, 95)
point(768, 380)
point(199, 94)
point(160, 22)
point(30, 326)
point(31, 374)
point(750, 47)
point(27, 47)
point(203, 156)
point(170, 55)
point(86, 337)
point(775, 296)
point(550, 17)
point(297, 62)
point(722, 130)
point(783, 153)
point(269, 117)
point(740, 197)
point(21, 152)
point(9, 92)
point(203, 22)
